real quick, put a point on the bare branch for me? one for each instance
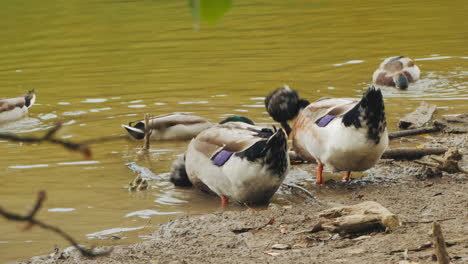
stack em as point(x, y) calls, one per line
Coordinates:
point(83, 148)
point(31, 221)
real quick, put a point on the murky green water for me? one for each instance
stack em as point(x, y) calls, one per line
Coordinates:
point(99, 64)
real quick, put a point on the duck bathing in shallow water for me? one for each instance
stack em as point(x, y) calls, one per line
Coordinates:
point(398, 72)
point(15, 108)
point(343, 135)
point(236, 161)
point(175, 126)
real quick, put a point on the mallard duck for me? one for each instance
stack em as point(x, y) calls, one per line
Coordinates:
point(14, 108)
point(343, 135)
point(236, 161)
point(175, 126)
point(396, 71)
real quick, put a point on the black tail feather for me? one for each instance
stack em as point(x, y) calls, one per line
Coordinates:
point(370, 112)
point(179, 174)
point(277, 152)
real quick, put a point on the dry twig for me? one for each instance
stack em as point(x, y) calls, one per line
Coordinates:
point(439, 243)
point(309, 194)
point(31, 221)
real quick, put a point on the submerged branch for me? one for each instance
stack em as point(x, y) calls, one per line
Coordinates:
point(31, 221)
point(309, 194)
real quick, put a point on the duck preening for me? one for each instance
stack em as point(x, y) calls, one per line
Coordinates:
point(175, 126)
point(398, 72)
point(14, 108)
point(343, 135)
point(236, 161)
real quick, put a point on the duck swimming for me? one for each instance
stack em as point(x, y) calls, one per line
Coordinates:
point(175, 126)
point(15, 108)
point(341, 134)
point(236, 161)
point(398, 72)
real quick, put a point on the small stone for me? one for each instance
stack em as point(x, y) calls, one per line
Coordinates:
point(273, 253)
point(361, 238)
point(281, 246)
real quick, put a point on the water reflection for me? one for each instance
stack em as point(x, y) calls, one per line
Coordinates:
point(94, 65)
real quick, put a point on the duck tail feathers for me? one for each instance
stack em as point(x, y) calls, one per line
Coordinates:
point(276, 152)
point(284, 104)
point(136, 133)
point(369, 112)
point(179, 174)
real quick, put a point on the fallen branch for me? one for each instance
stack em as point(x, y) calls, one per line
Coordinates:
point(411, 153)
point(48, 137)
point(428, 221)
point(31, 221)
point(412, 132)
point(427, 245)
point(439, 244)
point(419, 117)
point(293, 186)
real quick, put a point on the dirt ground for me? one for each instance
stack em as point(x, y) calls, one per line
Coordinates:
point(405, 188)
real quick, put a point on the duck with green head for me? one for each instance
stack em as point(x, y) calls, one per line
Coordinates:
point(398, 72)
point(175, 126)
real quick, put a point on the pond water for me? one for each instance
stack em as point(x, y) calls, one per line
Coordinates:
point(99, 64)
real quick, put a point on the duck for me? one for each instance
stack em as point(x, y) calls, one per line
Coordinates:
point(341, 134)
point(236, 161)
point(397, 71)
point(12, 109)
point(175, 126)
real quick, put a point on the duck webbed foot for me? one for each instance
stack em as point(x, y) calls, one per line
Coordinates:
point(346, 176)
point(224, 202)
point(319, 173)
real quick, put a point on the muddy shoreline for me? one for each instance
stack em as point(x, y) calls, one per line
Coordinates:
point(405, 188)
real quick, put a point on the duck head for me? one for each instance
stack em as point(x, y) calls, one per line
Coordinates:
point(401, 81)
point(238, 119)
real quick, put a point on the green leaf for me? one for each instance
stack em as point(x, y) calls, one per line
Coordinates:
point(210, 11)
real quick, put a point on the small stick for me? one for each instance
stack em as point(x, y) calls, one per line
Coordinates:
point(412, 132)
point(31, 221)
point(439, 242)
point(146, 145)
point(411, 153)
point(293, 186)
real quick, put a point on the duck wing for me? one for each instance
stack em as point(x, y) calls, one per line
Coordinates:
point(328, 106)
point(231, 137)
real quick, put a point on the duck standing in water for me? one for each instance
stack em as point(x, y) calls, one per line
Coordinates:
point(398, 72)
point(343, 135)
point(15, 108)
point(175, 126)
point(236, 161)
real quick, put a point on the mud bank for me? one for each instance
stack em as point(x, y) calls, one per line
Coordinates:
point(407, 189)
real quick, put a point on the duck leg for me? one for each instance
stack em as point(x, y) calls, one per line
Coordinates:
point(346, 175)
point(319, 173)
point(224, 202)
